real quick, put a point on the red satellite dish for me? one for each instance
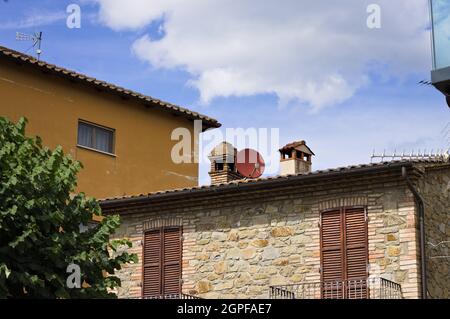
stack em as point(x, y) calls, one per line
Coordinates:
point(250, 163)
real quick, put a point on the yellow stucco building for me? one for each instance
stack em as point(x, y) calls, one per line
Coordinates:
point(122, 138)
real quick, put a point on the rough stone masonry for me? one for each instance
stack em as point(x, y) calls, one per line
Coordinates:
point(239, 242)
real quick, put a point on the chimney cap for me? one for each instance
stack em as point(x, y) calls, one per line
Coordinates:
point(223, 148)
point(297, 145)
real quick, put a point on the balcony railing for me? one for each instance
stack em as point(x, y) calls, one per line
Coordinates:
point(170, 296)
point(368, 288)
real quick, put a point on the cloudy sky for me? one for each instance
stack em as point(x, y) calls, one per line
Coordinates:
point(312, 69)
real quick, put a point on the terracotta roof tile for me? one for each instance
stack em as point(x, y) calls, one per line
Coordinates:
point(297, 145)
point(345, 169)
point(208, 122)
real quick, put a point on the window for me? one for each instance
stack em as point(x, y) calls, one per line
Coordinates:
point(344, 255)
point(96, 137)
point(219, 166)
point(162, 262)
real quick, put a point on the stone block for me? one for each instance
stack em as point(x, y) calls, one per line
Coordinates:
point(249, 253)
point(281, 232)
point(218, 236)
point(393, 251)
point(203, 286)
point(260, 243)
point(220, 267)
point(270, 253)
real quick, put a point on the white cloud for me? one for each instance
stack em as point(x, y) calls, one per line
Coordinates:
point(314, 52)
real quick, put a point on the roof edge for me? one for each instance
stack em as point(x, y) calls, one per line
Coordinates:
point(208, 122)
point(118, 203)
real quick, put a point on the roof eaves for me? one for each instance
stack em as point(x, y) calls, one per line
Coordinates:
point(244, 184)
point(208, 122)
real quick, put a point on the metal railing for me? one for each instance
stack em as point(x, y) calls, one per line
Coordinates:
point(169, 296)
point(172, 296)
point(367, 288)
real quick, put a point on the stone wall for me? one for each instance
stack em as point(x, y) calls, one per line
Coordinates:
point(435, 188)
point(238, 248)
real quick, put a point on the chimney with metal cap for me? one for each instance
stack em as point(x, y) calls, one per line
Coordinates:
point(223, 164)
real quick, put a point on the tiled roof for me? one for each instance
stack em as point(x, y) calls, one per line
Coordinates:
point(293, 144)
point(208, 122)
point(297, 145)
point(318, 173)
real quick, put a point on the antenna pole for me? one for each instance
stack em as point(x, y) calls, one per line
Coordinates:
point(39, 40)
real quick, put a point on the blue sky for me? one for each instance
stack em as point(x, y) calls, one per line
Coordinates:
point(315, 72)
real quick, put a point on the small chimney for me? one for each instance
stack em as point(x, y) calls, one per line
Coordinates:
point(223, 167)
point(295, 158)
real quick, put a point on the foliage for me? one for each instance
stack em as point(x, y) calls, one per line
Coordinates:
point(40, 218)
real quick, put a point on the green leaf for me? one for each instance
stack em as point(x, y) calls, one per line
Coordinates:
point(39, 224)
point(4, 270)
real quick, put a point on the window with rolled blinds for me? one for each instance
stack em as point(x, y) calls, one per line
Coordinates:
point(162, 262)
point(344, 257)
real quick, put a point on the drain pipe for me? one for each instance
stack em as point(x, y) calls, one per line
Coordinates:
point(420, 205)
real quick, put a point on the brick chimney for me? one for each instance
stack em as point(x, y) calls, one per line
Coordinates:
point(223, 168)
point(295, 158)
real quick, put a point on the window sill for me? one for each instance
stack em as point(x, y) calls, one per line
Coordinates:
point(95, 150)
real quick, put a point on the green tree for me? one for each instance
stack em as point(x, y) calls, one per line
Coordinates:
point(40, 218)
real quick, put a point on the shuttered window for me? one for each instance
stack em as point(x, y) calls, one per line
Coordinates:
point(344, 254)
point(162, 262)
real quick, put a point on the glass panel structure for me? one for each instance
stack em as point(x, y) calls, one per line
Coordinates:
point(440, 17)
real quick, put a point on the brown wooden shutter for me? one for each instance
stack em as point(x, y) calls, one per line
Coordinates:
point(344, 253)
point(356, 243)
point(356, 252)
point(332, 254)
point(152, 285)
point(162, 262)
point(172, 261)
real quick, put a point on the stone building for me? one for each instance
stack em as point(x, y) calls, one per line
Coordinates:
point(351, 232)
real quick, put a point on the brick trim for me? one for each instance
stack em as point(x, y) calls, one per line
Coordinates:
point(343, 202)
point(162, 222)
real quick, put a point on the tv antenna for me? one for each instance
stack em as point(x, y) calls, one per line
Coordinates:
point(36, 38)
point(439, 155)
